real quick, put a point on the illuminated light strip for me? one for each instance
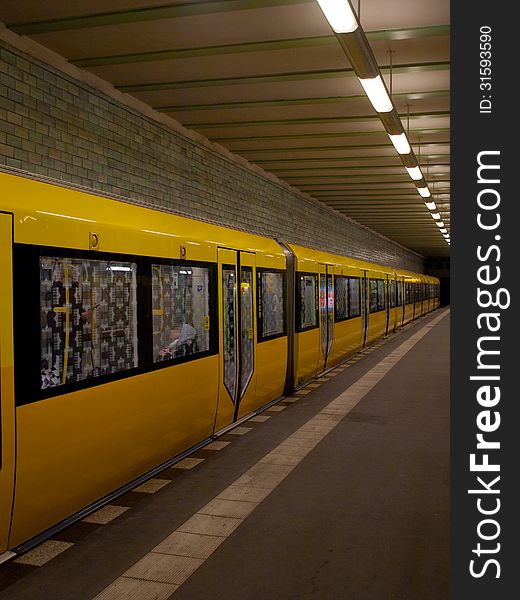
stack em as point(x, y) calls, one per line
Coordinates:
point(343, 21)
point(400, 143)
point(415, 173)
point(376, 91)
point(431, 205)
point(340, 15)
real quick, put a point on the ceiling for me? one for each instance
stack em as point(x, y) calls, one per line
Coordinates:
point(268, 80)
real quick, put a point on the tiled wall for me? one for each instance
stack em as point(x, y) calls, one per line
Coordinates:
point(53, 125)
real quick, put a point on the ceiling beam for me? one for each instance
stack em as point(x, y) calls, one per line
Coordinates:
point(274, 78)
point(334, 134)
point(295, 101)
point(139, 15)
point(263, 46)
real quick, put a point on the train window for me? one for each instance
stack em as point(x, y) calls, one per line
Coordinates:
point(307, 305)
point(354, 297)
point(373, 295)
point(380, 294)
point(88, 317)
point(271, 300)
point(341, 298)
point(180, 311)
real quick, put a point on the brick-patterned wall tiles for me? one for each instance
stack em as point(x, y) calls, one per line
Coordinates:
point(55, 126)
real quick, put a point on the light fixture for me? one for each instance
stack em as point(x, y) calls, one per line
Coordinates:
point(340, 15)
point(436, 216)
point(444, 231)
point(400, 143)
point(353, 41)
point(376, 91)
point(415, 173)
point(424, 191)
point(431, 205)
point(439, 224)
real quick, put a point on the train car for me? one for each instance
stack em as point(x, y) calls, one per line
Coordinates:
point(131, 336)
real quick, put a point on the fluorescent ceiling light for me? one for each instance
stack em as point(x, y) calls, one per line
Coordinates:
point(339, 15)
point(444, 231)
point(414, 172)
point(400, 143)
point(439, 224)
point(436, 216)
point(424, 191)
point(377, 94)
point(430, 205)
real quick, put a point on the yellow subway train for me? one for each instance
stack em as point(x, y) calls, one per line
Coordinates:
point(129, 336)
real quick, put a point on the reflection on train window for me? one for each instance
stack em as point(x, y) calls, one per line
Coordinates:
point(373, 295)
point(307, 301)
point(270, 303)
point(88, 319)
point(341, 294)
point(380, 294)
point(180, 311)
point(354, 289)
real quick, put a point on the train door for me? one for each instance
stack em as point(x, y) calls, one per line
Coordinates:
point(364, 307)
point(7, 411)
point(326, 314)
point(387, 304)
point(237, 340)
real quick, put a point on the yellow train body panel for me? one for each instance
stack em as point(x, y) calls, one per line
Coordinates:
point(270, 376)
point(347, 340)
point(75, 448)
point(306, 349)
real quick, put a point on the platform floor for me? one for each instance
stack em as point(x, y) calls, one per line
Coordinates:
point(339, 492)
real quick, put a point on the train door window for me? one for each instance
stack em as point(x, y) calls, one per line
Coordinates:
point(409, 293)
point(341, 298)
point(247, 331)
point(380, 294)
point(307, 302)
point(88, 315)
point(392, 293)
point(229, 309)
point(271, 310)
point(330, 311)
point(354, 296)
point(400, 293)
point(323, 312)
point(373, 296)
point(180, 311)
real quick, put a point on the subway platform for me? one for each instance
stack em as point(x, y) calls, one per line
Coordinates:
point(338, 492)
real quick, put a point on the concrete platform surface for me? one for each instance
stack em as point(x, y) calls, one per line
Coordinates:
point(339, 492)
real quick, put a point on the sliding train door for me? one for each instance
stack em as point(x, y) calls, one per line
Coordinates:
point(237, 339)
point(7, 411)
point(326, 314)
